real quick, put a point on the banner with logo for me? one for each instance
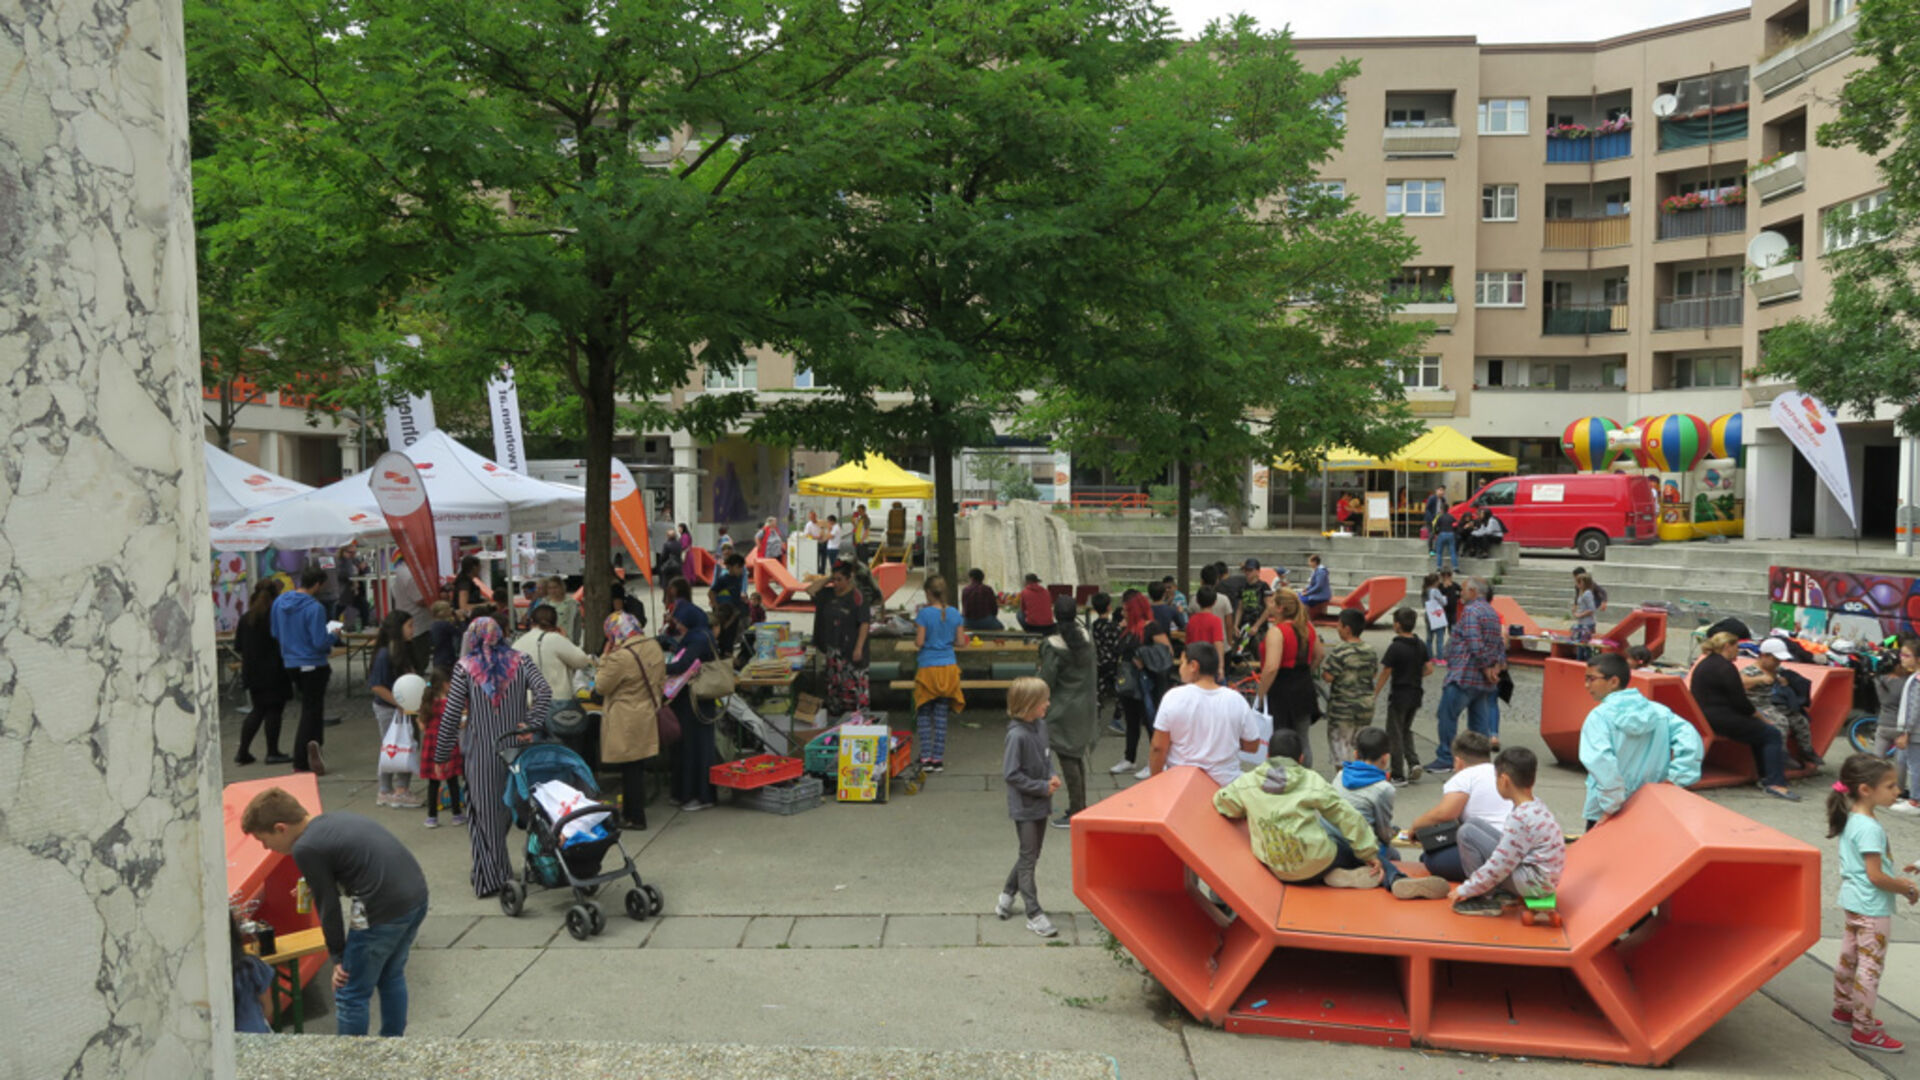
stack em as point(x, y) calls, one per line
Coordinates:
point(402, 496)
point(411, 416)
point(510, 450)
point(1815, 432)
point(630, 518)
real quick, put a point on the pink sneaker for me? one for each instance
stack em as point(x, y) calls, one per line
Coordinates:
point(1877, 1040)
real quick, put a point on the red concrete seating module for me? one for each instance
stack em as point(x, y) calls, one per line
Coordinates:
point(1375, 598)
point(779, 590)
point(256, 875)
point(699, 566)
point(890, 576)
point(1307, 961)
point(1564, 705)
point(1649, 623)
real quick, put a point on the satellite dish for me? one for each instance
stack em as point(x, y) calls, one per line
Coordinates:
point(1766, 249)
point(1665, 105)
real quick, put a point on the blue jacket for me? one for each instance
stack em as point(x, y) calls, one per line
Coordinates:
point(1628, 742)
point(300, 626)
point(1319, 589)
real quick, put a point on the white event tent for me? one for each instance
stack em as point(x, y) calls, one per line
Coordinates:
point(470, 495)
point(236, 489)
point(304, 521)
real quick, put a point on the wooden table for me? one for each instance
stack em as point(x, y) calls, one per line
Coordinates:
point(356, 643)
point(290, 949)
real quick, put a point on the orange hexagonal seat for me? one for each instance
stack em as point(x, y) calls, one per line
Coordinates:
point(1672, 913)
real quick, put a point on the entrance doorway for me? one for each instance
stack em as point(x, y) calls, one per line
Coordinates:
point(1879, 491)
point(1804, 482)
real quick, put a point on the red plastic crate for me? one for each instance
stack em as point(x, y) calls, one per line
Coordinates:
point(755, 772)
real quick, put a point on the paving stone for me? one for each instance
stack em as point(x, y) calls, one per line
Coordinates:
point(932, 931)
point(837, 931)
point(767, 932)
point(621, 932)
point(698, 932)
point(530, 930)
point(1013, 931)
point(442, 931)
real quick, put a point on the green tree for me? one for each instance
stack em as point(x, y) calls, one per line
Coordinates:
point(605, 193)
point(1248, 320)
point(1864, 350)
point(1009, 477)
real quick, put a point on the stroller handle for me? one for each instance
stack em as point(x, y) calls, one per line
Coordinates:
point(509, 744)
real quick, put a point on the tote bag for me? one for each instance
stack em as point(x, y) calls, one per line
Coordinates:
point(398, 753)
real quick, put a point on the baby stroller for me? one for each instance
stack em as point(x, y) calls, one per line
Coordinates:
point(566, 851)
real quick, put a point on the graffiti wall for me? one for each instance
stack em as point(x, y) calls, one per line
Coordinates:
point(1843, 604)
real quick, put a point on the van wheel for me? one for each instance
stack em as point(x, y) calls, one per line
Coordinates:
point(1591, 544)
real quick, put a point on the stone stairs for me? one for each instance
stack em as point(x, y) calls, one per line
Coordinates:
point(1134, 559)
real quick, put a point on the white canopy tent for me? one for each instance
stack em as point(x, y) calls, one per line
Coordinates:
point(470, 495)
point(303, 521)
point(236, 489)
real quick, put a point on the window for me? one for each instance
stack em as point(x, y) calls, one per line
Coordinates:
point(1551, 376)
point(1500, 202)
point(1841, 227)
point(1613, 374)
point(802, 378)
point(1420, 373)
point(1399, 118)
point(744, 376)
point(1691, 372)
point(1416, 198)
point(1500, 288)
point(1712, 281)
point(1500, 494)
point(1837, 9)
point(1503, 116)
point(1334, 189)
point(1617, 204)
point(1559, 208)
point(1613, 291)
point(1334, 107)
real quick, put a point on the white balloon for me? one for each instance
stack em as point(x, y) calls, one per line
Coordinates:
point(408, 690)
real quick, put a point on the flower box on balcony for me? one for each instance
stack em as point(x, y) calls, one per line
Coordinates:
point(1432, 140)
point(1780, 281)
point(1787, 173)
point(1441, 313)
point(1816, 50)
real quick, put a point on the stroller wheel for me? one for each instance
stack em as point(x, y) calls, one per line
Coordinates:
point(654, 902)
point(598, 917)
point(579, 922)
point(513, 898)
point(637, 906)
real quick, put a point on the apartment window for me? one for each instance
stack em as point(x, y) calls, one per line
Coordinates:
point(1333, 189)
point(1500, 202)
point(1551, 376)
point(802, 378)
point(1837, 9)
point(1692, 372)
point(1399, 118)
point(1420, 373)
point(1503, 116)
point(1709, 282)
point(744, 376)
point(1841, 227)
point(1334, 107)
point(1416, 198)
point(1617, 203)
point(1500, 288)
point(1559, 208)
point(1613, 374)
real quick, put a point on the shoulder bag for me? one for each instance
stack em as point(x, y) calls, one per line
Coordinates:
point(666, 718)
point(713, 681)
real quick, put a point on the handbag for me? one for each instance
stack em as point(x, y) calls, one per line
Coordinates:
point(665, 718)
point(398, 752)
point(714, 681)
point(1156, 658)
point(1439, 837)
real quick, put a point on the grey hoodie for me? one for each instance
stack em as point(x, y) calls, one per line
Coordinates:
point(1027, 771)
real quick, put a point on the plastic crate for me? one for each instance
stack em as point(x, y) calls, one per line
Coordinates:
point(756, 772)
point(822, 752)
point(786, 797)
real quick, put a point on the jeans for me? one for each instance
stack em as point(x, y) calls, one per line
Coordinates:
point(1476, 843)
point(985, 622)
point(1904, 763)
point(1437, 643)
point(1483, 715)
point(1345, 859)
point(1445, 550)
point(1769, 747)
point(376, 959)
point(1032, 834)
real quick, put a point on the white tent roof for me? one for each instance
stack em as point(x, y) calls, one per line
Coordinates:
point(236, 489)
point(471, 495)
point(304, 521)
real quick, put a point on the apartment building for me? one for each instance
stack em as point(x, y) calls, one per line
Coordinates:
point(1585, 214)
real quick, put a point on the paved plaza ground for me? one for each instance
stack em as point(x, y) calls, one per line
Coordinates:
point(870, 926)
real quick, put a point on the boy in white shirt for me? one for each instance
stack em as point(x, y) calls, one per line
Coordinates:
point(1472, 794)
point(1203, 723)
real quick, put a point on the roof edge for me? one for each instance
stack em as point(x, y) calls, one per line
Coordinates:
point(1704, 22)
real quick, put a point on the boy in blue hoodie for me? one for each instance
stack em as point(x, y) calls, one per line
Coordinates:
point(1364, 783)
point(1628, 742)
point(306, 640)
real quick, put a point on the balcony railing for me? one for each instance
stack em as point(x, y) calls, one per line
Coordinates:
point(1434, 138)
point(1787, 173)
point(1588, 233)
point(1703, 221)
point(1581, 319)
point(1816, 50)
point(1618, 144)
point(1781, 281)
point(1698, 312)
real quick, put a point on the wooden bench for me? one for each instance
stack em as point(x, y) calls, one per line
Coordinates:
point(965, 684)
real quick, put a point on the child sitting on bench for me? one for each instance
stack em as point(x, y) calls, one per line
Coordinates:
point(1530, 853)
point(1301, 828)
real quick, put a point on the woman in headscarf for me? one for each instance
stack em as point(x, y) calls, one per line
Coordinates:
point(632, 673)
point(487, 698)
point(694, 754)
point(1069, 665)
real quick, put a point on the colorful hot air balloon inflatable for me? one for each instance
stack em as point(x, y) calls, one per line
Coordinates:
point(1674, 442)
point(1585, 443)
point(1725, 439)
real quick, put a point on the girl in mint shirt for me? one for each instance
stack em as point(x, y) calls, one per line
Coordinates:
point(1866, 894)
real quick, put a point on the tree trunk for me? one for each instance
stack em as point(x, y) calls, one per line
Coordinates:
point(945, 515)
point(598, 573)
point(1182, 524)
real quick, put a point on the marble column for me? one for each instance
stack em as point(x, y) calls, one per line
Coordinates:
point(111, 859)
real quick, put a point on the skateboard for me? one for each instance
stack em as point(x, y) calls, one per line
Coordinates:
point(1538, 910)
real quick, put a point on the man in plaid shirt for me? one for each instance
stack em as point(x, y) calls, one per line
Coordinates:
point(1476, 653)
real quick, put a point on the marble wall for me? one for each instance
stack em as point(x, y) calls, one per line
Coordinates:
point(1023, 538)
point(111, 858)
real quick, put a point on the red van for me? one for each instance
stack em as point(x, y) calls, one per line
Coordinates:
point(1583, 511)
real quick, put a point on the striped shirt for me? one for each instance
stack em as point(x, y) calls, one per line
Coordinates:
point(488, 720)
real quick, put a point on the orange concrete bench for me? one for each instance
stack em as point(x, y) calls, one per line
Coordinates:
point(1375, 598)
point(779, 590)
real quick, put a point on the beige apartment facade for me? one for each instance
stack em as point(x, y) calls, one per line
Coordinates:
point(1585, 214)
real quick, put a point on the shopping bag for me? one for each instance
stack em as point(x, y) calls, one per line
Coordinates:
point(559, 799)
point(398, 753)
point(1263, 720)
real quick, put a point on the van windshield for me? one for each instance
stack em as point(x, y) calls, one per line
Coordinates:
point(1498, 495)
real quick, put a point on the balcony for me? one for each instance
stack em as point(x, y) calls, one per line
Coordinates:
point(1781, 176)
point(1578, 148)
point(1781, 281)
point(1698, 312)
point(1441, 313)
point(1582, 319)
point(1588, 233)
point(1431, 403)
point(1432, 138)
point(1798, 60)
point(1703, 221)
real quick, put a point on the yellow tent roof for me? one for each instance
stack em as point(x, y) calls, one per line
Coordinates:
point(1332, 459)
point(872, 478)
point(1442, 449)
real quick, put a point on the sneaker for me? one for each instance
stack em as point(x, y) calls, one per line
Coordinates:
point(1843, 1017)
point(431, 823)
point(1360, 877)
point(382, 799)
point(694, 806)
point(1116, 727)
point(1414, 773)
point(1485, 907)
point(937, 766)
point(1507, 899)
point(1439, 768)
point(1145, 771)
point(1425, 887)
point(1399, 781)
point(1043, 926)
point(407, 800)
point(1876, 1039)
point(315, 763)
point(459, 819)
point(1003, 907)
point(1124, 766)
point(1904, 806)
point(243, 758)
point(1064, 821)
point(1781, 793)
point(277, 758)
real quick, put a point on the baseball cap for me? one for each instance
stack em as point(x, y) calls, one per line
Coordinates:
point(1776, 647)
point(1250, 564)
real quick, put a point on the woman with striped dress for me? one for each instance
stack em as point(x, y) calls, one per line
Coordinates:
point(488, 698)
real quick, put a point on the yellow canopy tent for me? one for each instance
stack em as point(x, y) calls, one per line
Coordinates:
point(872, 478)
point(1442, 449)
